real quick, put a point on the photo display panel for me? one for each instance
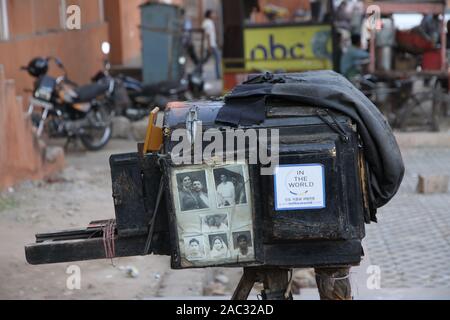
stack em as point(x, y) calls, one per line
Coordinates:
point(213, 211)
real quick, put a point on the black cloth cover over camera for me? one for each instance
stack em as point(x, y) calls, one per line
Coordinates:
point(246, 105)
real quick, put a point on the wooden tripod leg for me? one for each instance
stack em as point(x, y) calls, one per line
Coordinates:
point(334, 283)
point(276, 284)
point(245, 285)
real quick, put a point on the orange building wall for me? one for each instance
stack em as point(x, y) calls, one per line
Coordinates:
point(27, 17)
point(131, 35)
point(35, 30)
point(124, 19)
point(21, 155)
point(79, 50)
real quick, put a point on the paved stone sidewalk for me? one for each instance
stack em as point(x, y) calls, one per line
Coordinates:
point(411, 242)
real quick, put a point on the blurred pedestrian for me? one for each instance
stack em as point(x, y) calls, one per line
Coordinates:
point(211, 39)
point(357, 17)
point(429, 28)
point(353, 58)
point(448, 34)
point(187, 38)
point(343, 16)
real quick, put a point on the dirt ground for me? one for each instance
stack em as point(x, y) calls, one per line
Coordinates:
point(81, 194)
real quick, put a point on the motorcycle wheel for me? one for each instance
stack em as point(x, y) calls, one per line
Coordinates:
point(99, 132)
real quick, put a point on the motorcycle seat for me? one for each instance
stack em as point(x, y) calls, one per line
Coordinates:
point(89, 92)
point(164, 88)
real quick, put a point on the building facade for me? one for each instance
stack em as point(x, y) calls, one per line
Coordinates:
point(30, 28)
point(71, 30)
point(33, 28)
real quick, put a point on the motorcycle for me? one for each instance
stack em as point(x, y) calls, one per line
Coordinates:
point(134, 100)
point(143, 97)
point(68, 110)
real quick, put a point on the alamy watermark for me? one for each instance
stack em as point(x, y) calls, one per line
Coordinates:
point(258, 146)
point(374, 278)
point(373, 14)
point(73, 17)
point(73, 281)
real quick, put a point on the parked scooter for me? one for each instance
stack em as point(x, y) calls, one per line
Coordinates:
point(69, 110)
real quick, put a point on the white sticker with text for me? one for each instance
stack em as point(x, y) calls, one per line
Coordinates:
point(300, 187)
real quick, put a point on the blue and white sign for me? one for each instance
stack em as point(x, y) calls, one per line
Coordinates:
point(300, 187)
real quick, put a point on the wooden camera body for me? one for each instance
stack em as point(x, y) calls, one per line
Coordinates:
point(217, 212)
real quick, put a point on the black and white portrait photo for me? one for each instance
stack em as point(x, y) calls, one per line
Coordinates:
point(218, 246)
point(192, 190)
point(194, 248)
point(213, 223)
point(243, 245)
point(230, 186)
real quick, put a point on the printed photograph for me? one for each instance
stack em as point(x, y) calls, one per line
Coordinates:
point(218, 246)
point(243, 244)
point(230, 186)
point(192, 191)
point(194, 248)
point(214, 223)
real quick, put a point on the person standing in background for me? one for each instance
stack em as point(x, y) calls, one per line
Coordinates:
point(357, 17)
point(353, 58)
point(188, 44)
point(211, 39)
point(429, 28)
point(448, 34)
point(343, 16)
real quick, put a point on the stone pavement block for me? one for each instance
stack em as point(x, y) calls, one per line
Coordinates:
point(139, 129)
point(411, 242)
point(182, 283)
point(382, 294)
point(121, 128)
point(423, 139)
point(433, 184)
